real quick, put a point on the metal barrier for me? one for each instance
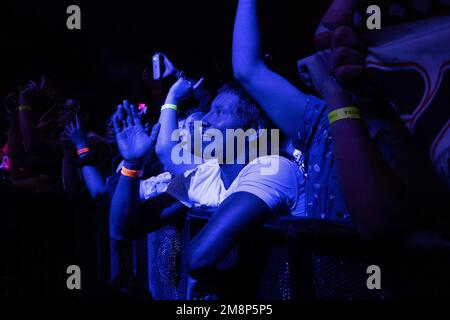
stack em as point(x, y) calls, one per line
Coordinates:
point(304, 259)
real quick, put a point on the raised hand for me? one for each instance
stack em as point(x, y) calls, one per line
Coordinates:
point(349, 51)
point(11, 102)
point(47, 87)
point(75, 134)
point(339, 13)
point(184, 88)
point(133, 141)
point(169, 68)
point(318, 69)
point(27, 92)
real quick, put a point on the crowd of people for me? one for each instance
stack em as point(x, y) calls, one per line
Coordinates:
point(339, 152)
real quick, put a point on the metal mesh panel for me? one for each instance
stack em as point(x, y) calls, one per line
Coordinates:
point(277, 278)
point(164, 250)
point(337, 278)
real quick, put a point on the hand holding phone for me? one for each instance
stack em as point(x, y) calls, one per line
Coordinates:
point(158, 66)
point(163, 67)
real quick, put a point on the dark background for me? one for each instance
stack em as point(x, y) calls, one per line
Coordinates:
point(106, 57)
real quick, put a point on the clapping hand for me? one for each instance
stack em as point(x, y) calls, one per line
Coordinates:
point(75, 133)
point(133, 141)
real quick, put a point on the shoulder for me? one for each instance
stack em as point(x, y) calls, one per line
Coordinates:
point(274, 179)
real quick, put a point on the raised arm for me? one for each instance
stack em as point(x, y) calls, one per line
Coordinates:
point(135, 145)
point(168, 119)
point(383, 196)
point(281, 100)
point(32, 140)
point(28, 130)
point(92, 176)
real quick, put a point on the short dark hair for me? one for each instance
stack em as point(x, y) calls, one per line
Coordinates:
point(248, 109)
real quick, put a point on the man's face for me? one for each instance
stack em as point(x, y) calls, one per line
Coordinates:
point(222, 116)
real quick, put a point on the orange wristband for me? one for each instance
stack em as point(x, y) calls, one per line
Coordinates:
point(131, 173)
point(83, 151)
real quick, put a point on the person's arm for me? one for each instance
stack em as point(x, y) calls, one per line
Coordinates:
point(70, 175)
point(134, 145)
point(15, 145)
point(19, 159)
point(338, 14)
point(29, 133)
point(380, 196)
point(238, 214)
point(168, 119)
point(280, 100)
point(32, 141)
point(94, 180)
point(125, 206)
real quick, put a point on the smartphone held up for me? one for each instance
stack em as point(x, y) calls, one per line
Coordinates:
point(158, 66)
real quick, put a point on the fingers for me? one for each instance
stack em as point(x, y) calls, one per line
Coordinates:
point(345, 37)
point(117, 124)
point(347, 73)
point(343, 56)
point(77, 122)
point(339, 13)
point(155, 132)
point(304, 71)
point(323, 40)
point(27, 87)
point(135, 115)
point(69, 128)
point(349, 51)
point(33, 85)
point(122, 116)
point(163, 55)
point(198, 84)
point(43, 83)
point(167, 62)
point(349, 55)
point(129, 118)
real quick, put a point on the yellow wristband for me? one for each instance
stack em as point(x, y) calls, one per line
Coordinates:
point(24, 108)
point(344, 113)
point(131, 173)
point(169, 106)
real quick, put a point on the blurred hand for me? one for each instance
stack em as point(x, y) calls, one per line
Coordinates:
point(47, 87)
point(169, 68)
point(348, 55)
point(75, 134)
point(49, 120)
point(339, 13)
point(319, 70)
point(133, 141)
point(184, 88)
point(11, 102)
point(27, 92)
point(335, 32)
